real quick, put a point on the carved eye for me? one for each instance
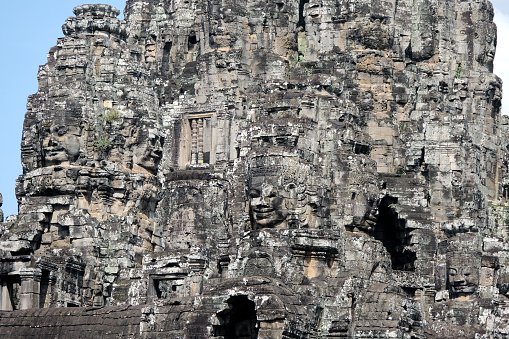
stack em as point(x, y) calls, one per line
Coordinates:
point(452, 272)
point(272, 194)
point(254, 193)
point(60, 130)
point(290, 186)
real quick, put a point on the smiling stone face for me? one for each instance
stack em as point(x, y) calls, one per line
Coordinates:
point(60, 144)
point(462, 280)
point(463, 274)
point(276, 193)
point(267, 206)
point(147, 151)
point(485, 45)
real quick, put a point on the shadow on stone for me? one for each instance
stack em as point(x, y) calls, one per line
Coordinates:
point(238, 321)
point(395, 236)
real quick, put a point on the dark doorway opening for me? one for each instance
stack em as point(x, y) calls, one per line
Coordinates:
point(166, 57)
point(45, 286)
point(395, 236)
point(302, 18)
point(238, 321)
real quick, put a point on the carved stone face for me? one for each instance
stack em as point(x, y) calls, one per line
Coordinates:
point(495, 94)
point(373, 31)
point(503, 283)
point(485, 43)
point(148, 153)
point(60, 144)
point(267, 207)
point(463, 275)
point(376, 33)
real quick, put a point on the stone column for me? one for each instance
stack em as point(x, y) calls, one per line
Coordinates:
point(30, 288)
point(51, 286)
point(5, 297)
point(200, 141)
point(194, 142)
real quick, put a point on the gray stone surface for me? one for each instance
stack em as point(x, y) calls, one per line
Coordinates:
point(296, 169)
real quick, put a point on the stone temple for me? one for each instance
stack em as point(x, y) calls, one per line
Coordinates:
point(263, 169)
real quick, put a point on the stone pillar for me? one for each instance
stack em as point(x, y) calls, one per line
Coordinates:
point(51, 286)
point(194, 142)
point(200, 141)
point(5, 297)
point(30, 288)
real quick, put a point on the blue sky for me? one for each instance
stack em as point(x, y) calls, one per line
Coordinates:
point(31, 29)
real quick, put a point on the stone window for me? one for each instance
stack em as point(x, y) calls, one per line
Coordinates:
point(72, 282)
point(162, 287)
point(196, 147)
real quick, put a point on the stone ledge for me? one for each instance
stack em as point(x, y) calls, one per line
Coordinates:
point(97, 11)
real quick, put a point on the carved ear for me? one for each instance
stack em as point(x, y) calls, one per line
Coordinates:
point(291, 189)
point(133, 135)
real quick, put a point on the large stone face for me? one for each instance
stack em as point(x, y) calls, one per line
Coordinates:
point(268, 169)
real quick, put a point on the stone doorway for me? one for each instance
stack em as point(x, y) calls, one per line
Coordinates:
point(238, 321)
point(395, 235)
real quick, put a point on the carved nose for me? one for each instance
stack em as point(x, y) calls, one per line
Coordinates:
point(261, 201)
point(52, 142)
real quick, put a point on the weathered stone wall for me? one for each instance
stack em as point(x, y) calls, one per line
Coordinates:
point(276, 170)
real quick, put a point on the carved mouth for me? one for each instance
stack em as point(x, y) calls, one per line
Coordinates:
point(263, 210)
point(53, 153)
point(53, 149)
point(464, 288)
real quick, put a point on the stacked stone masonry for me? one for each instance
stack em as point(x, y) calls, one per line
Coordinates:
point(280, 169)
